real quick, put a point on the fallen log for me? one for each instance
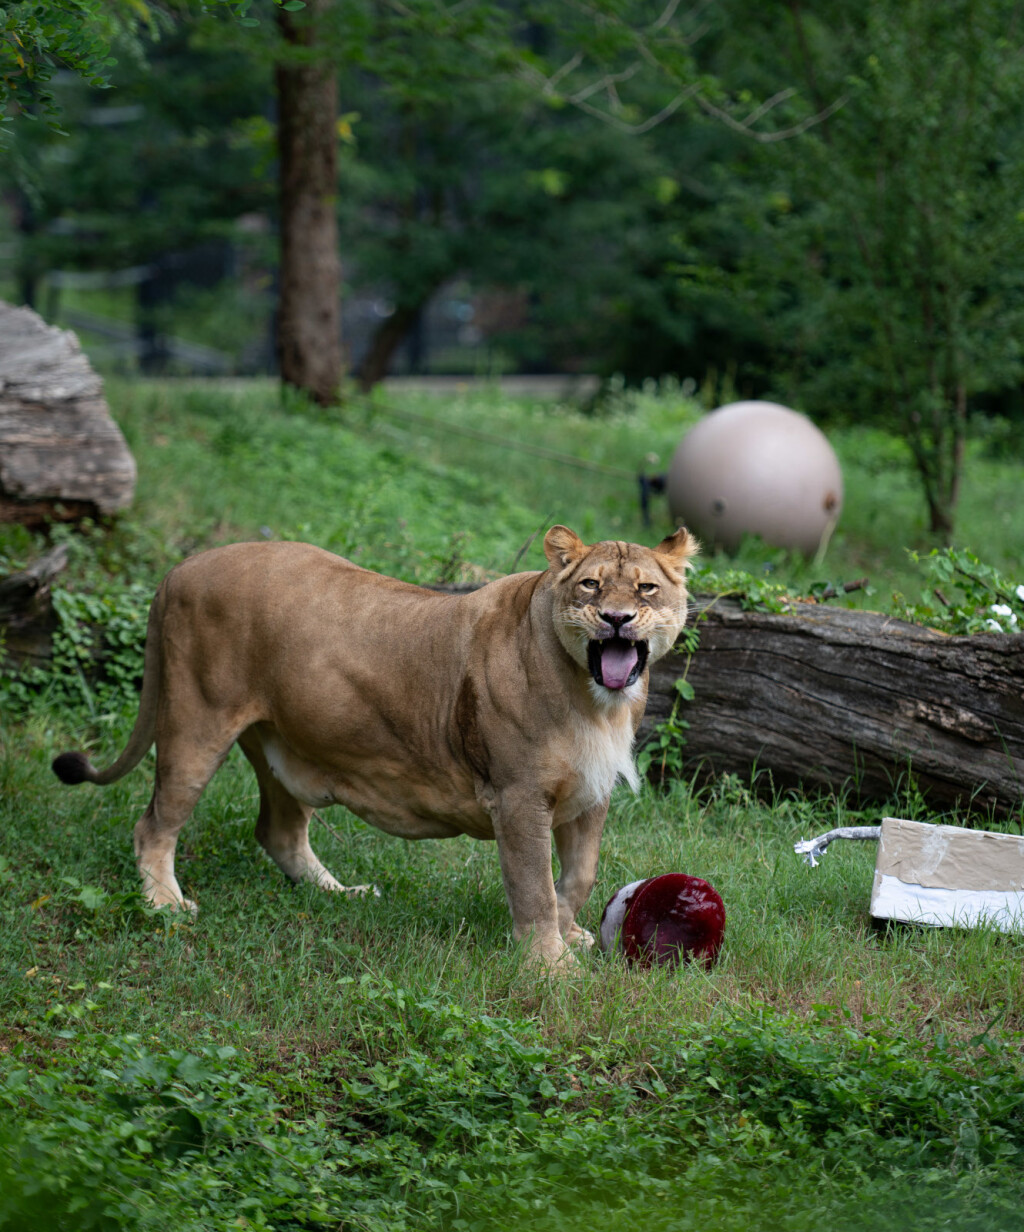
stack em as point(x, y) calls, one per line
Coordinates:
point(27, 617)
point(851, 701)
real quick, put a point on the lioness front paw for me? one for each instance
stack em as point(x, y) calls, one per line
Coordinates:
point(551, 959)
point(189, 908)
point(359, 891)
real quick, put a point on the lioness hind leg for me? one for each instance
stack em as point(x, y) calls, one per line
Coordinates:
point(155, 844)
point(182, 772)
point(282, 827)
point(578, 844)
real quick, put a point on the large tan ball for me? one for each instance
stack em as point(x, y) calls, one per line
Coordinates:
point(756, 468)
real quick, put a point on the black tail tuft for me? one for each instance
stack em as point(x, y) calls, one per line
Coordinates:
point(72, 768)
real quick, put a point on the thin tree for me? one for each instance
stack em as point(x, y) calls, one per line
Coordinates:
point(309, 297)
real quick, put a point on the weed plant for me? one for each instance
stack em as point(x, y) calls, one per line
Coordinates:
point(292, 1059)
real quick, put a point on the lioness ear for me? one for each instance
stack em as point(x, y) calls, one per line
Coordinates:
point(678, 550)
point(562, 546)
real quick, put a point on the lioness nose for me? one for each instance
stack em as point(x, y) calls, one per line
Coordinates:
point(617, 619)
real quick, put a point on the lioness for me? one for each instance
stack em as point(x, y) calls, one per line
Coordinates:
point(507, 713)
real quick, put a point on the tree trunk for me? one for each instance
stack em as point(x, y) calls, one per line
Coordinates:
point(940, 517)
point(309, 306)
point(27, 267)
point(386, 340)
point(940, 461)
point(853, 702)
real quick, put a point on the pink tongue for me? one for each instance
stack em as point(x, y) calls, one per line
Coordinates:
point(617, 660)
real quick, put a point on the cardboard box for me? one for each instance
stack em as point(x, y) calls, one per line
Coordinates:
point(946, 876)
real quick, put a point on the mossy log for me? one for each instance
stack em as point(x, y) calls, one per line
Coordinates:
point(854, 702)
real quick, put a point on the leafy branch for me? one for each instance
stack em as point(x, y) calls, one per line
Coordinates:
point(969, 596)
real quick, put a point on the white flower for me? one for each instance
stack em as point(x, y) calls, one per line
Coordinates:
point(1020, 593)
point(994, 625)
point(1004, 610)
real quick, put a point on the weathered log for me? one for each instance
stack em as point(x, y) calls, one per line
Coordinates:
point(852, 701)
point(27, 618)
point(61, 454)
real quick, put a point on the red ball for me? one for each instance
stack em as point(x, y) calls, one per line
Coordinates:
point(665, 920)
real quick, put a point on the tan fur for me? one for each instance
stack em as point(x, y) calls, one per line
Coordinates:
point(428, 715)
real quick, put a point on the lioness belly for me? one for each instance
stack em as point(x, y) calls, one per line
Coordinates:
point(391, 801)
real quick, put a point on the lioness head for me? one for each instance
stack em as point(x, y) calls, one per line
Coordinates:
point(617, 606)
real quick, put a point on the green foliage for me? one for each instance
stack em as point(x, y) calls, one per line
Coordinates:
point(660, 758)
point(966, 595)
point(132, 1139)
point(466, 1120)
point(114, 617)
point(470, 146)
point(887, 233)
point(91, 912)
point(98, 645)
point(36, 37)
point(755, 592)
point(164, 162)
point(40, 38)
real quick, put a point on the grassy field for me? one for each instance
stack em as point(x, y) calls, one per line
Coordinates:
point(883, 514)
point(294, 1060)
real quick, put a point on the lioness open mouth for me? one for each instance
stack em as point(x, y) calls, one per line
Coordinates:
point(616, 662)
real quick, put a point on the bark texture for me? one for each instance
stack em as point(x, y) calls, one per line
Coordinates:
point(847, 699)
point(309, 305)
point(61, 454)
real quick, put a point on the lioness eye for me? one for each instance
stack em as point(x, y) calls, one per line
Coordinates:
point(647, 588)
point(590, 584)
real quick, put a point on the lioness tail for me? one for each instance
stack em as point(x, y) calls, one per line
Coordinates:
point(77, 768)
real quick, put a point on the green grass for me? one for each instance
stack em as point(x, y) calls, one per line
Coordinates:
point(883, 516)
point(225, 465)
point(405, 1028)
point(227, 460)
point(297, 1060)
